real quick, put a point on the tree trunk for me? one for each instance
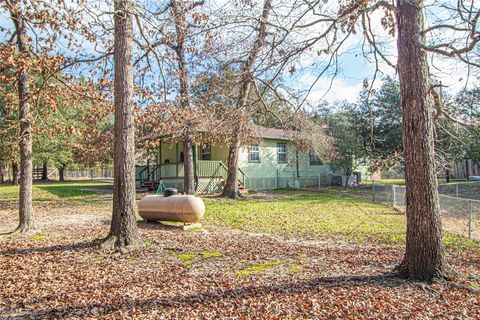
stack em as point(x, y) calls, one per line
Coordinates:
point(231, 189)
point(180, 29)
point(123, 232)
point(447, 175)
point(424, 254)
point(467, 170)
point(45, 172)
point(189, 175)
point(26, 174)
point(61, 173)
point(346, 181)
point(14, 173)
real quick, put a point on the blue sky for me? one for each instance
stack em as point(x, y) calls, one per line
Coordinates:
point(353, 69)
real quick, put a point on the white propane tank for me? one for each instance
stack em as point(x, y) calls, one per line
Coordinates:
point(181, 208)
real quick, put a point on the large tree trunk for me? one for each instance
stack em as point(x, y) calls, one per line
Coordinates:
point(231, 189)
point(61, 173)
point(26, 174)
point(347, 179)
point(123, 232)
point(467, 169)
point(189, 175)
point(180, 29)
point(45, 172)
point(447, 175)
point(14, 173)
point(424, 255)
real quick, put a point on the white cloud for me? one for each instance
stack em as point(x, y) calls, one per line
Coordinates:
point(330, 90)
point(453, 74)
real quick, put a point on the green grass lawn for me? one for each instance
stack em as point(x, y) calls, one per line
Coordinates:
point(310, 214)
point(401, 182)
point(331, 215)
point(316, 215)
point(72, 191)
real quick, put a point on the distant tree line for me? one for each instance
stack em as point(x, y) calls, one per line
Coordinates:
point(369, 132)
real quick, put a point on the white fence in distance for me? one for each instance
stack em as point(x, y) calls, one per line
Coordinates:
point(82, 174)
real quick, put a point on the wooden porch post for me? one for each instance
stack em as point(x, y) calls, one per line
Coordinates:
point(176, 161)
point(160, 164)
point(298, 169)
point(148, 162)
point(195, 155)
point(195, 167)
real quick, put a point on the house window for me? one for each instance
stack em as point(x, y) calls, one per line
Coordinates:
point(205, 152)
point(315, 160)
point(254, 153)
point(281, 152)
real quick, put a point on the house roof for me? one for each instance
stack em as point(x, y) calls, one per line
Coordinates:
point(273, 133)
point(260, 132)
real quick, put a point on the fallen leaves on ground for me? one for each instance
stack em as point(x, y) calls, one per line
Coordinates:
point(217, 273)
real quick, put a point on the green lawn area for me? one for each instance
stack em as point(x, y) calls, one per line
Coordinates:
point(401, 182)
point(317, 215)
point(310, 214)
point(338, 215)
point(72, 191)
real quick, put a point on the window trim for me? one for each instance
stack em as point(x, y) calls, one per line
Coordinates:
point(209, 148)
point(283, 152)
point(250, 152)
point(316, 162)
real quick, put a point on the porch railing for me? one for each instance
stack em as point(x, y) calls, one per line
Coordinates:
point(204, 169)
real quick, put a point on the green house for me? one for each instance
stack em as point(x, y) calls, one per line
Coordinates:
point(271, 163)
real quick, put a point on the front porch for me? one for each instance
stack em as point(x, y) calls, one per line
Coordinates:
point(209, 168)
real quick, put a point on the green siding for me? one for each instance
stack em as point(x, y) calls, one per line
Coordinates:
point(266, 168)
point(219, 153)
point(268, 165)
point(168, 152)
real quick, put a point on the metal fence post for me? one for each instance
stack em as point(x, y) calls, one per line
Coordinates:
point(319, 178)
point(394, 195)
point(278, 177)
point(373, 190)
point(470, 219)
point(456, 190)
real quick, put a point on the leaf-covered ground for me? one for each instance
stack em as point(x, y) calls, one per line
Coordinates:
point(218, 272)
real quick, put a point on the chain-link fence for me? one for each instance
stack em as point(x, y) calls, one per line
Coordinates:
point(283, 180)
point(215, 185)
point(459, 215)
point(469, 190)
point(288, 180)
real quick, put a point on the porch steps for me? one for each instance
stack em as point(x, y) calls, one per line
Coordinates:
point(242, 189)
point(150, 185)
